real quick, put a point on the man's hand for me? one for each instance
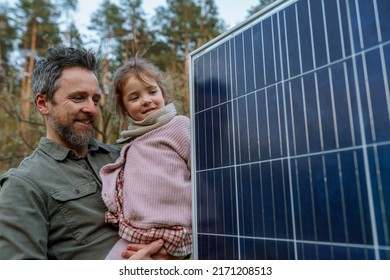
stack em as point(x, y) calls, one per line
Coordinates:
point(152, 251)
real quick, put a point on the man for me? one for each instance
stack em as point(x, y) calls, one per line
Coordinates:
point(51, 206)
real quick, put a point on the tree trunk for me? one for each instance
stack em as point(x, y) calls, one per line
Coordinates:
point(100, 125)
point(26, 97)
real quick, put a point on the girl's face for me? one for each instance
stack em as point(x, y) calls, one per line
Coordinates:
point(140, 98)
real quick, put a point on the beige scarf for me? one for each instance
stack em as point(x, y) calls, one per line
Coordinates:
point(154, 120)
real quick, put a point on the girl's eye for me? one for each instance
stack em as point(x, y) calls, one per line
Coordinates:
point(133, 98)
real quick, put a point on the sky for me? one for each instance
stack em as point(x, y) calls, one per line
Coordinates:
point(232, 12)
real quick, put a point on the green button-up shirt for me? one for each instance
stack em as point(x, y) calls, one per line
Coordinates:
point(51, 206)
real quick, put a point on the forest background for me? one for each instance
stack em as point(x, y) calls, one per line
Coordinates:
point(29, 27)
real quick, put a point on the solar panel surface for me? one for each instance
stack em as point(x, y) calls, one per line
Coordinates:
point(290, 120)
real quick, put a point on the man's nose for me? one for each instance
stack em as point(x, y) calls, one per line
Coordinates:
point(91, 107)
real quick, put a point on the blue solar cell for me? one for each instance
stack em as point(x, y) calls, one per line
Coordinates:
point(263, 125)
point(342, 103)
point(258, 56)
point(226, 135)
point(376, 93)
point(253, 131)
point(317, 15)
point(217, 138)
point(312, 114)
point(291, 128)
point(218, 247)
point(241, 124)
point(200, 142)
point(223, 73)
point(305, 36)
point(383, 9)
point(248, 57)
point(333, 29)
point(368, 23)
point(293, 54)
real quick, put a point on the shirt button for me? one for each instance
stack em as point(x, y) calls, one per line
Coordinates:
point(77, 190)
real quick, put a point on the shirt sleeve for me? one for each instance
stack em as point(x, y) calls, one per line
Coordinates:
point(23, 220)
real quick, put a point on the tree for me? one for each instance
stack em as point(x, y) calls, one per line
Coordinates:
point(176, 21)
point(32, 30)
point(183, 26)
point(39, 30)
point(262, 4)
point(137, 37)
point(7, 37)
point(71, 34)
point(210, 25)
point(74, 37)
point(8, 74)
point(107, 22)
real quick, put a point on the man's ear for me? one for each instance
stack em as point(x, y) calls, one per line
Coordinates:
point(42, 103)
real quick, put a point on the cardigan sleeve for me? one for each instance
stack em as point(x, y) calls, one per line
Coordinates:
point(109, 174)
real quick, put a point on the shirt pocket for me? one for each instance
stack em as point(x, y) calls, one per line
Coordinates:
point(75, 192)
point(81, 208)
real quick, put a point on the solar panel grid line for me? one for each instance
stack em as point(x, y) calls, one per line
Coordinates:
point(359, 29)
point(268, 123)
point(327, 204)
point(245, 51)
point(369, 102)
point(349, 104)
point(280, 126)
point(212, 121)
point(312, 202)
point(325, 32)
point(334, 244)
point(381, 196)
point(232, 156)
point(386, 81)
point(360, 199)
point(333, 109)
point(377, 22)
point(363, 137)
point(290, 188)
point(343, 199)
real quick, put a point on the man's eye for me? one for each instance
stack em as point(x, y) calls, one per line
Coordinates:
point(78, 98)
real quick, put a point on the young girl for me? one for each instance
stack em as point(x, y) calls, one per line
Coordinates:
point(148, 189)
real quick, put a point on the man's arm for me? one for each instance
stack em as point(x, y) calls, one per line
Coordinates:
point(23, 221)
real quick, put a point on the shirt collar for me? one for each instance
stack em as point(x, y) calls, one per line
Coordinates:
point(59, 152)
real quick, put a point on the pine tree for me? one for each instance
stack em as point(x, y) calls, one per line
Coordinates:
point(39, 30)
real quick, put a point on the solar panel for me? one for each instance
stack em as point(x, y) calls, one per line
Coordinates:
point(290, 115)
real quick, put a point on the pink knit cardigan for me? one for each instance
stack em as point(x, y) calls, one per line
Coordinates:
point(157, 177)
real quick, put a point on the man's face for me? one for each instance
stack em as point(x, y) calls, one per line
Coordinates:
point(72, 113)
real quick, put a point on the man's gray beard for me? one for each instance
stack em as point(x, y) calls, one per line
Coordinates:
point(69, 135)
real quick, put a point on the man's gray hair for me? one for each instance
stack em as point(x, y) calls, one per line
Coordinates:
point(48, 70)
